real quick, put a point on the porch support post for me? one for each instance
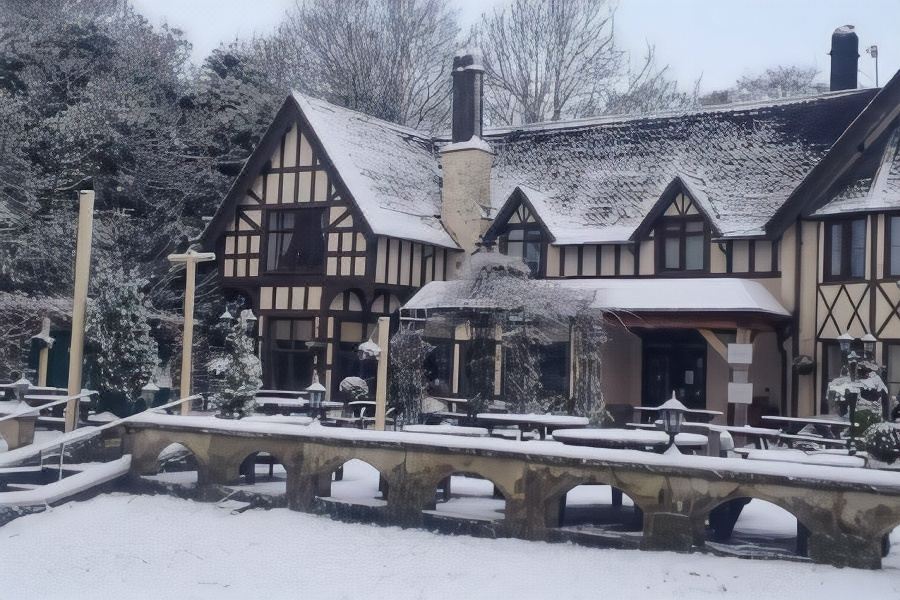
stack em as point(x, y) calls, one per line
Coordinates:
point(741, 375)
point(79, 302)
point(384, 325)
point(498, 359)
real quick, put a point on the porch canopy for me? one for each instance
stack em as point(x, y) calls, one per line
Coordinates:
point(695, 303)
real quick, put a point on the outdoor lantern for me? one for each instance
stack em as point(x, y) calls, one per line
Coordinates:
point(21, 386)
point(148, 393)
point(249, 320)
point(672, 413)
point(316, 395)
point(845, 339)
point(868, 341)
point(226, 316)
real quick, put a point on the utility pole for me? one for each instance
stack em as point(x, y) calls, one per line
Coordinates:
point(190, 260)
point(873, 52)
point(79, 302)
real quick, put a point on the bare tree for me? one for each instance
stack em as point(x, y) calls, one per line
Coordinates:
point(388, 58)
point(555, 59)
point(783, 81)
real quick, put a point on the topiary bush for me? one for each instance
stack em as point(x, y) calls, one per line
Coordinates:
point(882, 441)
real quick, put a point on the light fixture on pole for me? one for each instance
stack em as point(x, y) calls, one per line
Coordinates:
point(844, 340)
point(21, 386)
point(190, 260)
point(672, 413)
point(148, 393)
point(316, 397)
point(249, 321)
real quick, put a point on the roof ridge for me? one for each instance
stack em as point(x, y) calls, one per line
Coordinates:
point(306, 98)
point(735, 107)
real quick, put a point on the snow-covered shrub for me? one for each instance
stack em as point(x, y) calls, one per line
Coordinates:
point(408, 382)
point(882, 441)
point(234, 368)
point(122, 355)
point(355, 387)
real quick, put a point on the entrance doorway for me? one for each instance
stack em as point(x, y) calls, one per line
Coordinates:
point(674, 360)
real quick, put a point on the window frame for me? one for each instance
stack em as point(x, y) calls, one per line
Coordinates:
point(270, 212)
point(845, 272)
point(660, 235)
point(889, 265)
point(533, 230)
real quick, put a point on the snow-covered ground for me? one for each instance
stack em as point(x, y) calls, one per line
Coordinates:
point(138, 546)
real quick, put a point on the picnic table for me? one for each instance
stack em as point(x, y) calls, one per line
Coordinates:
point(444, 429)
point(543, 423)
point(807, 458)
point(704, 415)
point(628, 439)
point(827, 427)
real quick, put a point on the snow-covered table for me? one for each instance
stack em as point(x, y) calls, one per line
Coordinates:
point(630, 439)
point(447, 430)
point(700, 413)
point(799, 456)
point(543, 423)
point(827, 427)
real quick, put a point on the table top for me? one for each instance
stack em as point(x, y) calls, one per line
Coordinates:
point(697, 411)
point(624, 438)
point(534, 419)
point(823, 420)
point(290, 420)
point(362, 403)
point(447, 430)
point(281, 401)
point(799, 456)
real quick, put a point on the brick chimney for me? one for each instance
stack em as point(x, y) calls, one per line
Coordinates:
point(844, 58)
point(466, 161)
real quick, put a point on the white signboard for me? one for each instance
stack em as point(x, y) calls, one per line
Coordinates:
point(740, 354)
point(740, 393)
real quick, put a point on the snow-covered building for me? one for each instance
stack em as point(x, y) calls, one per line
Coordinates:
point(774, 224)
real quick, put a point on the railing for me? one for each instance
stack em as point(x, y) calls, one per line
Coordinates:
point(38, 409)
point(13, 457)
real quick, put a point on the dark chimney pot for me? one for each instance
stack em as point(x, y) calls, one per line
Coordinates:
point(844, 58)
point(467, 98)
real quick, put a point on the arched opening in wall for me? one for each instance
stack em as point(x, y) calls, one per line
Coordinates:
point(3, 445)
point(595, 508)
point(890, 549)
point(261, 473)
point(467, 496)
point(355, 482)
point(756, 528)
point(177, 466)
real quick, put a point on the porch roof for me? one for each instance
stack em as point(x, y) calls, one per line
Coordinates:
point(630, 296)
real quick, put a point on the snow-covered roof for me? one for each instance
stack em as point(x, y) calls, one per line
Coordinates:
point(390, 170)
point(626, 295)
point(594, 180)
point(874, 184)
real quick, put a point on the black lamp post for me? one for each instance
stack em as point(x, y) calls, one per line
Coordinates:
point(844, 341)
point(851, 398)
point(316, 397)
point(868, 341)
point(672, 413)
point(853, 365)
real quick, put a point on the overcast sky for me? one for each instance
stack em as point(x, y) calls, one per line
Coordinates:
point(719, 40)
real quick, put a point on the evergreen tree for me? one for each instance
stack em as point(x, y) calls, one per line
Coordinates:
point(123, 355)
point(408, 382)
point(234, 370)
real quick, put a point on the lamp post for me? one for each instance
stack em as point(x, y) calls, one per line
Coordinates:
point(853, 365)
point(43, 341)
point(190, 260)
point(672, 413)
point(316, 396)
point(851, 398)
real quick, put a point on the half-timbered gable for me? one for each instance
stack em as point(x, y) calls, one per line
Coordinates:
point(317, 260)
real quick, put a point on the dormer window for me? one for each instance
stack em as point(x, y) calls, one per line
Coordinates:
point(523, 241)
point(681, 244)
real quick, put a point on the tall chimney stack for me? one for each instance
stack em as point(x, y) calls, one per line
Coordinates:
point(844, 58)
point(466, 162)
point(467, 97)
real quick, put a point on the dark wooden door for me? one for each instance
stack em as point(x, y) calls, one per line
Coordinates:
point(677, 365)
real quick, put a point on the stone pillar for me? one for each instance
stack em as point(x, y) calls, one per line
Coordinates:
point(667, 531)
point(845, 550)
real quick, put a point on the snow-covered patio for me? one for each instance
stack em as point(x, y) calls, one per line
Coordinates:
point(125, 546)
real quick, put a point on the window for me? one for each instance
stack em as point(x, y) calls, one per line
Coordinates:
point(845, 249)
point(523, 242)
point(893, 248)
point(296, 240)
point(682, 244)
point(291, 360)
